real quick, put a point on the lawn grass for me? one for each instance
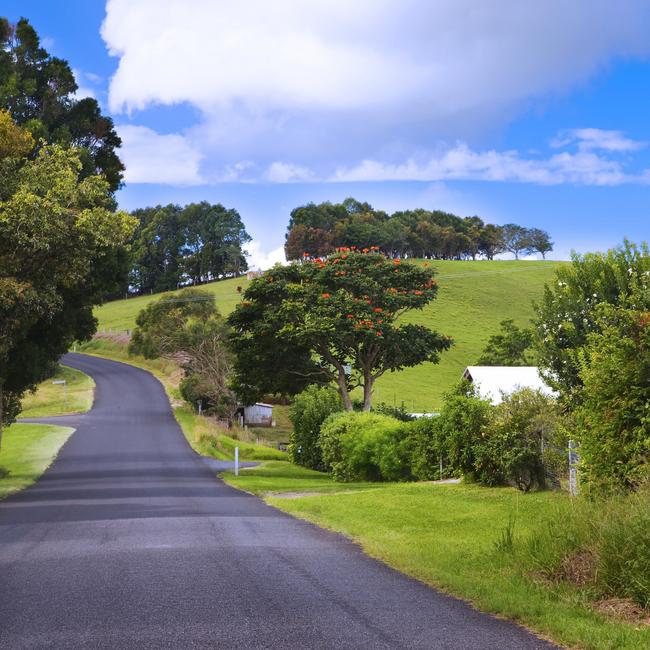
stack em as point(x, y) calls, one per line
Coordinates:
point(27, 451)
point(445, 536)
point(48, 400)
point(474, 297)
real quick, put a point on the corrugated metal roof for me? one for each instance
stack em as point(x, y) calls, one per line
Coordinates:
point(494, 381)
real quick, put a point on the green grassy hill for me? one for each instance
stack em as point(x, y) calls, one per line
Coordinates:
point(474, 298)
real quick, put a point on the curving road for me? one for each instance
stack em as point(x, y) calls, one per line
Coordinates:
point(129, 541)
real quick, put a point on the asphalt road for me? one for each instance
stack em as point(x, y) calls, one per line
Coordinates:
point(129, 541)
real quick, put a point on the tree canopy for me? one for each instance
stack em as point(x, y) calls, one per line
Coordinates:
point(333, 319)
point(511, 346)
point(316, 230)
point(176, 245)
point(38, 91)
point(568, 310)
point(59, 240)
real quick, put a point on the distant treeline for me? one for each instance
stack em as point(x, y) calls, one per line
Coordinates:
point(177, 246)
point(318, 229)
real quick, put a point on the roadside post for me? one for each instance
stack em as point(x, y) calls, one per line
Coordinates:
point(64, 383)
point(573, 469)
point(236, 461)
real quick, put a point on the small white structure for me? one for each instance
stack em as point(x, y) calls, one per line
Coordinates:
point(258, 415)
point(492, 382)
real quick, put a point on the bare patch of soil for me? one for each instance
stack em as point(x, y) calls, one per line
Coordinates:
point(623, 609)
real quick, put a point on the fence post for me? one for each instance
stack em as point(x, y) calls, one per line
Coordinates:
point(236, 461)
point(573, 470)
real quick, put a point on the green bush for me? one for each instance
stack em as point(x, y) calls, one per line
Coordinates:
point(426, 448)
point(366, 447)
point(307, 413)
point(523, 429)
point(614, 414)
point(462, 422)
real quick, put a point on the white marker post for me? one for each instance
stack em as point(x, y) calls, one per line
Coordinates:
point(64, 383)
point(236, 461)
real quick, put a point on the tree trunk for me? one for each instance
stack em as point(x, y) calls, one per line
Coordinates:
point(343, 389)
point(367, 392)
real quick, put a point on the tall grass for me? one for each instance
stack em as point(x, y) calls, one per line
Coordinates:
point(600, 545)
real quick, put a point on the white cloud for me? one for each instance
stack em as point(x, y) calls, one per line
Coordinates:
point(321, 83)
point(258, 259)
point(597, 139)
point(462, 163)
point(150, 157)
point(280, 172)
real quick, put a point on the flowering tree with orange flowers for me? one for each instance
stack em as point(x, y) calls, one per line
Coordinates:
point(335, 319)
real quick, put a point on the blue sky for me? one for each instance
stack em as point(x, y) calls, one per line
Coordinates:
point(516, 111)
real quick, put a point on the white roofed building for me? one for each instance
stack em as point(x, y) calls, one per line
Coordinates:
point(492, 382)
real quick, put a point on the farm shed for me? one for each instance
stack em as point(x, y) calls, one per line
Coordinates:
point(494, 381)
point(257, 415)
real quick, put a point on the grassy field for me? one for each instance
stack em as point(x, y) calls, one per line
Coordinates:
point(27, 451)
point(445, 535)
point(474, 298)
point(51, 399)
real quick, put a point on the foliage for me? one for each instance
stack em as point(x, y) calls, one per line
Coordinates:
point(463, 420)
point(522, 441)
point(614, 411)
point(319, 229)
point(59, 238)
point(38, 90)
point(328, 314)
point(398, 412)
point(307, 413)
point(426, 448)
point(569, 308)
point(510, 347)
point(365, 447)
point(188, 327)
point(194, 244)
point(162, 326)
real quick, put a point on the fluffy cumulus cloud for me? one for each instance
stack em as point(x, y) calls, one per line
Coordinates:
point(260, 260)
point(153, 158)
point(301, 88)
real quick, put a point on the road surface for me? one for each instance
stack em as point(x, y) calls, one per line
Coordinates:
point(130, 541)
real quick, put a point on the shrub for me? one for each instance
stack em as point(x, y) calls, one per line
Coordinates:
point(462, 422)
point(398, 412)
point(307, 413)
point(426, 448)
point(366, 447)
point(614, 415)
point(512, 448)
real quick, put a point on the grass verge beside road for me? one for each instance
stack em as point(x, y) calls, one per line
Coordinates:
point(55, 399)
point(446, 536)
point(27, 451)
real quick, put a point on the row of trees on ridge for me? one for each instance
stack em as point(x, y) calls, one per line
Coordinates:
point(315, 230)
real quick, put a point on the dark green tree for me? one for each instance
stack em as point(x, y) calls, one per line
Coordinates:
point(340, 317)
point(58, 240)
point(540, 241)
point(38, 90)
point(512, 346)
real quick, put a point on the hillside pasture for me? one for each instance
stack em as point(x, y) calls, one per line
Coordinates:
point(474, 297)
